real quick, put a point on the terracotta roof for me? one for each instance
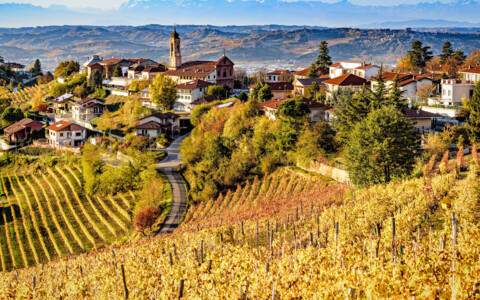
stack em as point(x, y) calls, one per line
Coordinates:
point(167, 115)
point(151, 125)
point(310, 81)
point(335, 65)
point(475, 70)
point(304, 72)
point(419, 114)
point(197, 69)
point(207, 99)
point(20, 125)
point(279, 72)
point(64, 126)
point(110, 61)
point(62, 99)
point(408, 81)
point(346, 80)
point(390, 76)
point(193, 85)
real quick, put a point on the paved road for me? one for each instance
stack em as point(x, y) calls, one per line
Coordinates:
point(169, 167)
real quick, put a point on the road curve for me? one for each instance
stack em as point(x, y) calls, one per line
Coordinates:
point(169, 167)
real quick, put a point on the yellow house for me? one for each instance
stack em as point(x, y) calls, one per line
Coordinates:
point(303, 87)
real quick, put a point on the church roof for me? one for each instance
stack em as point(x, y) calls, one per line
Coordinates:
point(175, 33)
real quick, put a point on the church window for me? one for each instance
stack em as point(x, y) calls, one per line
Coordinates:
point(224, 73)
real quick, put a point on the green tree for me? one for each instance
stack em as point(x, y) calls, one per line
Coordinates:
point(312, 72)
point(11, 115)
point(217, 90)
point(198, 112)
point(447, 52)
point(317, 140)
point(459, 56)
point(66, 68)
point(117, 71)
point(255, 90)
point(473, 106)
point(2, 60)
point(381, 147)
point(349, 110)
point(419, 54)
point(242, 96)
point(264, 94)
point(10, 86)
point(395, 96)
point(95, 79)
point(379, 94)
point(323, 60)
point(163, 92)
point(314, 89)
point(37, 67)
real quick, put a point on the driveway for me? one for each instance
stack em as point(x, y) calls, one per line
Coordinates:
point(169, 167)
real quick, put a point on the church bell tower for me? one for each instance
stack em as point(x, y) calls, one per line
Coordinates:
point(175, 54)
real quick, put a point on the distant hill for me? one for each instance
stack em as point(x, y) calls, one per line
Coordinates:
point(244, 44)
point(430, 24)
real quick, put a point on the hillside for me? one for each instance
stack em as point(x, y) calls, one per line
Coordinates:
point(305, 237)
point(46, 215)
point(244, 44)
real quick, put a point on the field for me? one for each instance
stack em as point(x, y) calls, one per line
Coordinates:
point(290, 235)
point(46, 215)
point(26, 95)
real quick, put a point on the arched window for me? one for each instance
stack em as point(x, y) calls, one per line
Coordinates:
point(224, 73)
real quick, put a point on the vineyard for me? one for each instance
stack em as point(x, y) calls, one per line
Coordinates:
point(26, 95)
point(287, 236)
point(46, 215)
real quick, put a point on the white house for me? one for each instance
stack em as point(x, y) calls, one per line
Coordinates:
point(66, 134)
point(423, 120)
point(472, 75)
point(189, 92)
point(279, 76)
point(87, 109)
point(360, 69)
point(157, 124)
point(407, 83)
point(454, 90)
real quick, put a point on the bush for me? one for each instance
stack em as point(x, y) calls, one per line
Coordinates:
point(145, 218)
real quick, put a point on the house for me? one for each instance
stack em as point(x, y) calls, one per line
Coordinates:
point(61, 104)
point(20, 130)
point(360, 69)
point(158, 124)
point(302, 74)
point(278, 89)
point(345, 82)
point(206, 100)
point(145, 98)
point(87, 109)
point(66, 134)
point(143, 72)
point(454, 90)
point(107, 66)
point(407, 83)
point(92, 60)
point(189, 92)
point(471, 75)
point(218, 72)
point(424, 121)
point(302, 87)
point(318, 111)
point(279, 76)
point(16, 67)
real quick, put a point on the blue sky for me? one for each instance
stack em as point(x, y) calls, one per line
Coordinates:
point(108, 4)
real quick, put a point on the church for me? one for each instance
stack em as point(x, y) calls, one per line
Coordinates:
point(216, 72)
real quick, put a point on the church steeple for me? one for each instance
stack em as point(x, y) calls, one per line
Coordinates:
point(175, 53)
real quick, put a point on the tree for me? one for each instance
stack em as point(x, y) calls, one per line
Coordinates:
point(95, 79)
point(37, 99)
point(242, 96)
point(217, 90)
point(447, 52)
point(37, 67)
point(265, 94)
point(405, 65)
point(2, 60)
point(379, 94)
point(473, 106)
point(314, 89)
point(460, 56)
point(433, 65)
point(425, 91)
point(317, 140)
point(473, 60)
point(383, 146)
point(10, 86)
point(395, 96)
point(419, 55)
point(312, 72)
point(323, 60)
point(163, 92)
point(117, 71)
point(255, 90)
point(66, 68)
point(11, 115)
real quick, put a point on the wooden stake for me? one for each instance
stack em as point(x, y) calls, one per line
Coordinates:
point(125, 289)
point(180, 289)
point(201, 252)
point(171, 259)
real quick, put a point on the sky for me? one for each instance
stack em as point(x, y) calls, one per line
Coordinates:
point(109, 4)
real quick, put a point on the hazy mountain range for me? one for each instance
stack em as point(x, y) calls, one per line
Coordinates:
point(254, 44)
point(223, 12)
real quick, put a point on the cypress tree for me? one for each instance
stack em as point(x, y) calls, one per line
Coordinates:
point(395, 97)
point(323, 60)
point(473, 107)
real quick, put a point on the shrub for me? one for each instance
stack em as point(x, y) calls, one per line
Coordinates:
point(145, 218)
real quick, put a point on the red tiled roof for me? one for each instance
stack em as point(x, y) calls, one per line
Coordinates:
point(64, 126)
point(335, 65)
point(197, 69)
point(279, 72)
point(475, 70)
point(110, 61)
point(419, 114)
point(20, 125)
point(390, 76)
point(193, 85)
point(346, 80)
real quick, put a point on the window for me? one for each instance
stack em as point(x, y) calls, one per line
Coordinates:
point(449, 92)
point(78, 134)
point(61, 134)
point(224, 74)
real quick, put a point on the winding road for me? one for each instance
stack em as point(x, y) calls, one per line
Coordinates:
point(169, 167)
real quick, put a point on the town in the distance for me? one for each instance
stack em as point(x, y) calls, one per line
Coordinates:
point(127, 177)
